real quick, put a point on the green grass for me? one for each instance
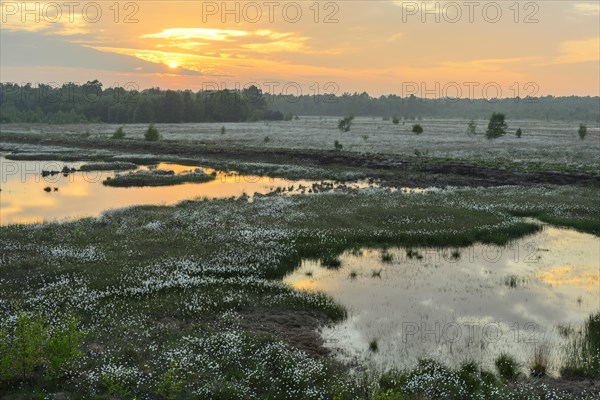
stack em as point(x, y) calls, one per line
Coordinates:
point(432, 380)
point(583, 353)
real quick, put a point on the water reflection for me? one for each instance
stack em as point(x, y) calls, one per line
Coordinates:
point(472, 305)
point(81, 194)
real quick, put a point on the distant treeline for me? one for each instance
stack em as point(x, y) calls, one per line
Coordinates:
point(91, 102)
point(549, 108)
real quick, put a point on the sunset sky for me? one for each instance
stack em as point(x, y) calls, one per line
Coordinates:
point(374, 46)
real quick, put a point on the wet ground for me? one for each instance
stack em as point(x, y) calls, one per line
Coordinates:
point(459, 304)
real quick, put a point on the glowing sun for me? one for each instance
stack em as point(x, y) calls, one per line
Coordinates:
point(173, 64)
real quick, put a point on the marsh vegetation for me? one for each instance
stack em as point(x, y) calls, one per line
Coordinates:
point(226, 296)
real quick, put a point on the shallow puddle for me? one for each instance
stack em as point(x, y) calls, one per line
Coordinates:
point(82, 194)
point(486, 300)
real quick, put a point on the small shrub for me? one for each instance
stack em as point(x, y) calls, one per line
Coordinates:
point(32, 346)
point(353, 275)
point(507, 367)
point(373, 345)
point(222, 130)
point(63, 350)
point(28, 345)
point(395, 120)
point(119, 134)
point(582, 132)
point(471, 128)
point(519, 133)
point(152, 134)
point(267, 139)
point(338, 146)
point(170, 385)
point(418, 129)
point(345, 123)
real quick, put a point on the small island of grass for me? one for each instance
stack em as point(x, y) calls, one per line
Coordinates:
point(158, 178)
point(108, 166)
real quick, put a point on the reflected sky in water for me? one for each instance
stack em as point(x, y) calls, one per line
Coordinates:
point(82, 194)
point(488, 300)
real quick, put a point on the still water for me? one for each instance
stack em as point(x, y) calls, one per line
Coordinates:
point(436, 303)
point(82, 194)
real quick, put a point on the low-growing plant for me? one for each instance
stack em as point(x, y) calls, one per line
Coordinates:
point(507, 367)
point(345, 123)
point(170, 385)
point(387, 257)
point(33, 346)
point(583, 352)
point(337, 145)
point(222, 130)
point(388, 394)
point(519, 133)
point(455, 254)
point(582, 131)
point(331, 262)
point(539, 364)
point(472, 128)
point(373, 346)
point(410, 253)
point(119, 134)
point(28, 344)
point(418, 129)
point(511, 281)
point(152, 134)
point(469, 372)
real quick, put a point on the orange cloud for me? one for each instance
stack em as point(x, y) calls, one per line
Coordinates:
point(578, 51)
